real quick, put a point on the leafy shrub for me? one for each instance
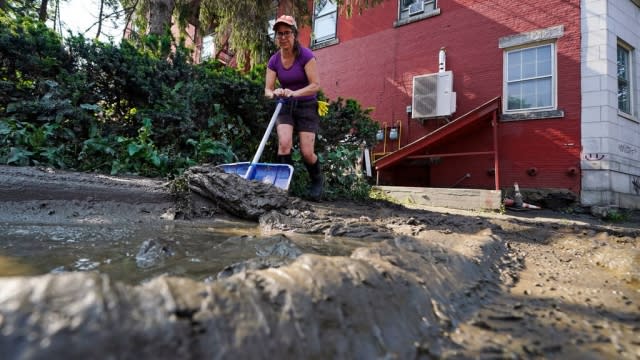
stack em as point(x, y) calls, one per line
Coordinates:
point(140, 108)
point(344, 132)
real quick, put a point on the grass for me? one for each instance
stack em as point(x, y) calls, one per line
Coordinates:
point(616, 216)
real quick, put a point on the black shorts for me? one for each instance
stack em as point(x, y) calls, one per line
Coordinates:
point(302, 115)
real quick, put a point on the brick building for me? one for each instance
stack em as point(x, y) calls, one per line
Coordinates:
point(484, 94)
point(487, 93)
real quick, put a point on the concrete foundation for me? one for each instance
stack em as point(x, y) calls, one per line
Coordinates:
point(466, 199)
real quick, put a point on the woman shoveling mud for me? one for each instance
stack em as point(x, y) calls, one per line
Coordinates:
point(294, 66)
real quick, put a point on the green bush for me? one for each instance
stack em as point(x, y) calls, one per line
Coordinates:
point(139, 108)
point(344, 132)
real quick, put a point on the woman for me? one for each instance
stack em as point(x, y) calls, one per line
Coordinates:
point(295, 69)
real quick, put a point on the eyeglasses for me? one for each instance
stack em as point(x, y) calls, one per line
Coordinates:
point(284, 34)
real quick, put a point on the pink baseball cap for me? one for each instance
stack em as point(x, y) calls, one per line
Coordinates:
point(285, 19)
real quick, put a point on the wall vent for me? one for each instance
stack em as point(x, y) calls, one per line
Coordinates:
point(433, 95)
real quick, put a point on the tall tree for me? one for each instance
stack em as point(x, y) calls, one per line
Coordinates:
point(242, 24)
point(108, 10)
point(42, 14)
point(160, 13)
point(22, 7)
point(100, 16)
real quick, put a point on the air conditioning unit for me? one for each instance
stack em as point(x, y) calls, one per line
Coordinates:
point(433, 95)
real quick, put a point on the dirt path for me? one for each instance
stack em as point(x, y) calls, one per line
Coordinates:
point(577, 296)
point(570, 290)
point(566, 285)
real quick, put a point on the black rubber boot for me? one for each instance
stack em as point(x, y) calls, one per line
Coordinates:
point(317, 180)
point(285, 159)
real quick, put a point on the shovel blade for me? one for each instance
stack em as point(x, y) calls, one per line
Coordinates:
point(278, 175)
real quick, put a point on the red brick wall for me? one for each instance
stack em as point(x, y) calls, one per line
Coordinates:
point(375, 63)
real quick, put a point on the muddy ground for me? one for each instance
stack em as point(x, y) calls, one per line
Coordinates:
point(435, 283)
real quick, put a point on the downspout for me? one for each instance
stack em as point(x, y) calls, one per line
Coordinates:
point(496, 166)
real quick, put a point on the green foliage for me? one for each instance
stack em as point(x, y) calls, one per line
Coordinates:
point(347, 123)
point(27, 144)
point(241, 25)
point(21, 7)
point(344, 132)
point(119, 109)
point(139, 108)
point(343, 178)
point(377, 194)
point(615, 215)
point(503, 209)
point(139, 155)
point(207, 150)
point(28, 49)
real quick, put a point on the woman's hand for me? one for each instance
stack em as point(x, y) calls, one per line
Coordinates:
point(283, 93)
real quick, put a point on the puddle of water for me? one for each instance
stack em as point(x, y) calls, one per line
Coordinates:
point(199, 251)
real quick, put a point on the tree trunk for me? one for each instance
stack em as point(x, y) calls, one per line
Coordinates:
point(160, 12)
point(42, 14)
point(100, 19)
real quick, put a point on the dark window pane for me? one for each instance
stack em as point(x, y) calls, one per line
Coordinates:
point(514, 94)
point(543, 90)
point(624, 100)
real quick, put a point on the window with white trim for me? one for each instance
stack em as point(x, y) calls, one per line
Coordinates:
point(325, 19)
point(270, 31)
point(625, 90)
point(414, 8)
point(208, 50)
point(273, 14)
point(530, 80)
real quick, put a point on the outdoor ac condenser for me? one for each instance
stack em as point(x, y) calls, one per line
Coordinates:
point(433, 95)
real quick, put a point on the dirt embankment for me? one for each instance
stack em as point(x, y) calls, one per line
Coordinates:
point(431, 283)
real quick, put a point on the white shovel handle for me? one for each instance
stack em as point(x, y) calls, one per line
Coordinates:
point(265, 138)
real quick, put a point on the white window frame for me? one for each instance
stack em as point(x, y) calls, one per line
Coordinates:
point(404, 9)
point(270, 32)
point(553, 75)
point(326, 15)
point(272, 21)
point(627, 80)
point(208, 48)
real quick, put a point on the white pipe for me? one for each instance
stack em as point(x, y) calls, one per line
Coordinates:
point(442, 60)
point(367, 161)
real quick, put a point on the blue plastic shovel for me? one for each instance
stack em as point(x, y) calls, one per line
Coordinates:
point(273, 174)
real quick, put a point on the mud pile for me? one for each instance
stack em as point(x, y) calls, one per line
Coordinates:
point(422, 285)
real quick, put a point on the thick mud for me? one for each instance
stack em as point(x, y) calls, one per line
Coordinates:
point(421, 283)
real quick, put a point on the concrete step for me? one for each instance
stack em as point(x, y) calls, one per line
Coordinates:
point(466, 199)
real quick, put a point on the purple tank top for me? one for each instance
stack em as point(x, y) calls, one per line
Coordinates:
point(293, 78)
